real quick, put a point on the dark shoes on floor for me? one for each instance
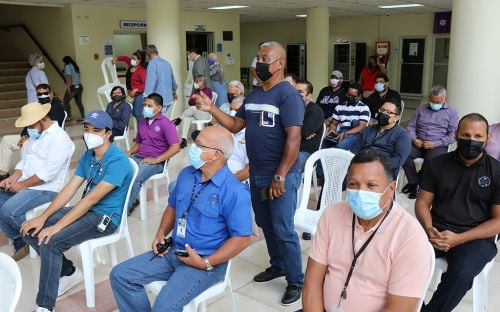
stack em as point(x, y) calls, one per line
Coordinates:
point(292, 294)
point(4, 176)
point(407, 188)
point(184, 143)
point(21, 252)
point(268, 275)
point(414, 192)
point(132, 208)
point(306, 236)
point(177, 121)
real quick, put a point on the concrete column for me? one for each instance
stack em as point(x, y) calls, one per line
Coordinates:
point(473, 77)
point(318, 44)
point(164, 32)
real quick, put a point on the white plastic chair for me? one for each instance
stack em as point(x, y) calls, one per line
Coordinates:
point(335, 162)
point(87, 247)
point(104, 91)
point(479, 286)
point(109, 71)
point(64, 120)
point(143, 193)
point(201, 299)
point(30, 214)
point(201, 123)
point(11, 283)
point(125, 135)
point(315, 177)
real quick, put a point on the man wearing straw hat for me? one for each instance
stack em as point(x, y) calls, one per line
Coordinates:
point(38, 176)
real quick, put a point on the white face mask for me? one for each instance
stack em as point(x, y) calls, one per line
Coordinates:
point(93, 140)
point(334, 82)
point(196, 86)
point(40, 65)
point(133, 62)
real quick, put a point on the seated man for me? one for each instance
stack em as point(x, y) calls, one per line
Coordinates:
point(493, 147)
point(393, 257)
point(463, 189)
point(192, 113)
point(209, 216)
point(382, 92)
point(332, 95)
point(107, 174)
point(312, 128)
point(387, 136)
point(156, 142)
point(235, 95)
point(291, 78)
point(119, 111)
point(432, 128)
point(11, 143)
point(347, 121)
point(39, 175)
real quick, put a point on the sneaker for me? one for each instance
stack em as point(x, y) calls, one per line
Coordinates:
point(176, 121)
point(292, 294)
point(306, 236)
point(40, 309)
point(21, 252)
point(183, 143)
point(268, 275)
point(407, 188)
point(132, 208)
point(67, 282)
point(414, 192)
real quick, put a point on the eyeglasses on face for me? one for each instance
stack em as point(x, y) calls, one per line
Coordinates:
point(388, 112)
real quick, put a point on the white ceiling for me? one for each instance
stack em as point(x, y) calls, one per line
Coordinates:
point(267, 10)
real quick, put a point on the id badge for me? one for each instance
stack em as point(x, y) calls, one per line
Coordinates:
point(267, 119)
point(181, 228)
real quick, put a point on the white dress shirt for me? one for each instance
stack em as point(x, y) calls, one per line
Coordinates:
point(238, 159)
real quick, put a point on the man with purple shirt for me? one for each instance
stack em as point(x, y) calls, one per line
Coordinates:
point(432, 128)
point(157, 141)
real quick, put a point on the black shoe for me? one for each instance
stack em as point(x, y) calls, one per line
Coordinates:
point(268, 275)
point(414, 192)
point(194, 134)
point(184, 143)
point(291, 295)
point(407, 188)
point(306, 236)
point(177, 121)
point(132, 208)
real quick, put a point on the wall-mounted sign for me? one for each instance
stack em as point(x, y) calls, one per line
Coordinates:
point(133, 24)
point(84, 40)
point(108, 48)
point(200, 27)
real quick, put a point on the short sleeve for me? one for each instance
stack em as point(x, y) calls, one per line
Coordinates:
point(67, 70)
point(320, 242)
point(138, 137)
point(80, 170)
point(254, 62)
point(335, 114)
point(292, 110)
point(116, 171)
point(496, 189)
point(241, 111)
point(170, 133)
point(364, 114)
point(237, 211)
point(427, 182)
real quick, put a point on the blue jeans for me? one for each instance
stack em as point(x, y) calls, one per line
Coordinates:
point(138, 106)
point(184, 282)
point(301, 160)
point(13, 208)
point(51, 254)
point(145, 171)
point(275, 217)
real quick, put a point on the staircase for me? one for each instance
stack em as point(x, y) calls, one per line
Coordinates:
point(12, 93)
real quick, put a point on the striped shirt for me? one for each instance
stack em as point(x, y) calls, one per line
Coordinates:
point(345, 114)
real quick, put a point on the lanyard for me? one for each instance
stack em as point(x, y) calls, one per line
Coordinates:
point(343, 295)
point(193, 197)
point(89, 181)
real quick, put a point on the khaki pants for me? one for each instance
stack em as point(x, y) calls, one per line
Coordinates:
point(10, 153)
point(190, 114)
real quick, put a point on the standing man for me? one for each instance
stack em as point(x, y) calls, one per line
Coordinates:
point(160, 78)
point(432, 128)
point(200, 65)
point(332, 95)
point(273, 115)
point(35, 76)
point(463, 189)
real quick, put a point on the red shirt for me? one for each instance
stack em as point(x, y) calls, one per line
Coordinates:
point(368, 78)
point(138, 77)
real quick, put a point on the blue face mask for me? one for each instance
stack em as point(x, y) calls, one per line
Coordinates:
point(148, 112)
point(33, 133)
point(379, 87)
point(211, 62)
point(195, 156)
point(364, 204)
point(435, 106)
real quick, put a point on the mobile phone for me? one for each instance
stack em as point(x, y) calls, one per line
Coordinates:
point(184, 253)
point(103, 224)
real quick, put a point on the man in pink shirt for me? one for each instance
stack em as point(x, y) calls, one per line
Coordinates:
point(368, 253)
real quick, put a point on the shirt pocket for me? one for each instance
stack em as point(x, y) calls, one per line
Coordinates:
point(267, 119)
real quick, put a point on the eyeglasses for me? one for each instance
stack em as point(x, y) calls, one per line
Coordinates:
point(208, 147)
point(388, 112)
point(42, 93)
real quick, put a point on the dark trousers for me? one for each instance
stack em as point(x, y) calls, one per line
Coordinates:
point(409, 165)
point(464, 263)
point(76, 92)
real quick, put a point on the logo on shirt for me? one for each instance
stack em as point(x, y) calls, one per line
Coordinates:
point(213, 199)
point(484, 181)
point(157, 129)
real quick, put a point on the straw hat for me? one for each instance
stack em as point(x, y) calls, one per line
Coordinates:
point(31, 113)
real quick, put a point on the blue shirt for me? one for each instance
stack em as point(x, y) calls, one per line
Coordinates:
point(267, 114)
point(113, 168)
point(33, 78)
point(160, 79)
point(221, 210)
point(69, 70)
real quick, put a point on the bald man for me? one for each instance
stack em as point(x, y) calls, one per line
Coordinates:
point(273, 115)
point(209, 215)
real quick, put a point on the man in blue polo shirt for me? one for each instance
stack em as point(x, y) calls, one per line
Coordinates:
point(107, 173)
point(273, 116)
point(209, 215)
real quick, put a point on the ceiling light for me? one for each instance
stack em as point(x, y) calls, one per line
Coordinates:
point(301, 15)
point(228, 7)
point(398, 6)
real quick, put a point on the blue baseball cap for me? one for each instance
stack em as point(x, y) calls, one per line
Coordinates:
point(99, 119)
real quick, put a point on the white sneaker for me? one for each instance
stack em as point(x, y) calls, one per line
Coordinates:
point(67, 282)
point(40, 309)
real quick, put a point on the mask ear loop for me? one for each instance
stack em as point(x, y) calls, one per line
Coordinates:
point(391, 199)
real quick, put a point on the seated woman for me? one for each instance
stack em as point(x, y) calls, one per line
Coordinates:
point(119, 110)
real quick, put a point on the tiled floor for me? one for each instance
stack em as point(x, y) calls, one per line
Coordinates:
point(249, 296)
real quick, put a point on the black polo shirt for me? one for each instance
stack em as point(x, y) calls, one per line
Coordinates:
point(463, 195)
point(374, 101)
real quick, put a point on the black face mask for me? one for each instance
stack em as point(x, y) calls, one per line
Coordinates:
point(231, 97)
point(117, 98)
point(262, 71)
point(383, 119)
point(351, 100)
point(44, 100)
point(470, 149)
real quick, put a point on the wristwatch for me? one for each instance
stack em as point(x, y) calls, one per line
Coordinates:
point(207, 263)
point(279, 178)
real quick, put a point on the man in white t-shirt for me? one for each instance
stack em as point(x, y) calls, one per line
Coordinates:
point(255, 81)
